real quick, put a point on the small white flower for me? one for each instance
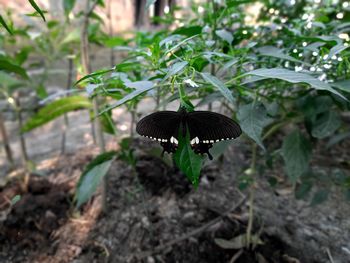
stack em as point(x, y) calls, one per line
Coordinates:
point(191, 83)
point(325, 57)
point(312, 69)
point(319, 69)
point(340, 15)
point(245, 32)
point(315, 54)
point(327, 66)
point(298, 69)
point(340, 59)
point(304, 44)
point(334, 57)
point(345, 4)
point(322, 77)
point(295, 50)
point(309, 25)
point(300, 55)
point(286, 64)
point(305, 16)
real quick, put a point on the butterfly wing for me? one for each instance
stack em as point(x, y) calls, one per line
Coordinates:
point(208, 127)
point(161, 126)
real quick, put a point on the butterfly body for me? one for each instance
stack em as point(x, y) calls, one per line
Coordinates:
point(205, 128)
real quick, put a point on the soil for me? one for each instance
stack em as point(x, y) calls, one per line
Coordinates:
point(155, 204)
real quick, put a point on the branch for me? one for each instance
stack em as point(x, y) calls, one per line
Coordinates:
point(194, 232)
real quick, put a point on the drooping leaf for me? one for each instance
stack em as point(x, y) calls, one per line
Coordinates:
point(294, 77)
point(187, 161)
point(296, 152)
point(73, 37)
point(94, 74)
point(271, 51)
point(225, 35)
point(219, 85)
point(253, 119)
point(319, 197)
point(37, 8)
point(56, 109)
point(92, 177)
point(140, 88)
point(10, 67)
point(176, 68)
point(3, 23)
point(68, 6)
point(326, 125)
point(337, 49)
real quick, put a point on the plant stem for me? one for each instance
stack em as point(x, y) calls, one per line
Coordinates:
point(111, 30)
point(24, 155)
point(85, 61)
point(66, 122)
point(5, 140)
point(251, 196)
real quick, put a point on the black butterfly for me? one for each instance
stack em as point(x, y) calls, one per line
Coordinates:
point(205, 128)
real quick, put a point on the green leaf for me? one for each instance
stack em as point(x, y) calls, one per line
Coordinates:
point(149, 3)
point(3, 23)
point(187, 161)
point(235, 3)
point(114, 41)
point(271, 51)
point(326, 125)
point(68, 6)
point(94, 74)
point(188, 31)
point(343, 85)
point(337, 49)
point(337, 138)
point(92, 177)
point(56, 109)
point(294, 77)
point(9, 67)
point(253, 119)
point(37, 8)
point(225, 35)
point(219, 85)
point(296, 152)
point(175, 69)
point(140, 88)
point(303, 190)
point(319, 197)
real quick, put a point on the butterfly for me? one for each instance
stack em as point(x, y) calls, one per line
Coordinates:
point(205, 128)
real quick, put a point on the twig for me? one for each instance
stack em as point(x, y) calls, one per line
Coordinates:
point(236, 256)
point(190, 234)
point(329, 255)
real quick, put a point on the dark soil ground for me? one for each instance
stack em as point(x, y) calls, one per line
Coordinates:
point(155, 215)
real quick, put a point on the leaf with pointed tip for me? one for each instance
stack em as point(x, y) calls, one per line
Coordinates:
point(140, 88)
point(7, 66)
point(253, 119)
point(187, 161)
point(56, 109)
point(219, 85)
point(294, 77)
point(92, 177)
point(37, 8)
point(3, 23)
point(175, 69)
point(326, 125)
point(296, 152)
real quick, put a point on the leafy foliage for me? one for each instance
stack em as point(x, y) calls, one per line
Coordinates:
point(56, 109)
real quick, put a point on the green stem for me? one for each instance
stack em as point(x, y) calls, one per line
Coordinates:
point(251, 196)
